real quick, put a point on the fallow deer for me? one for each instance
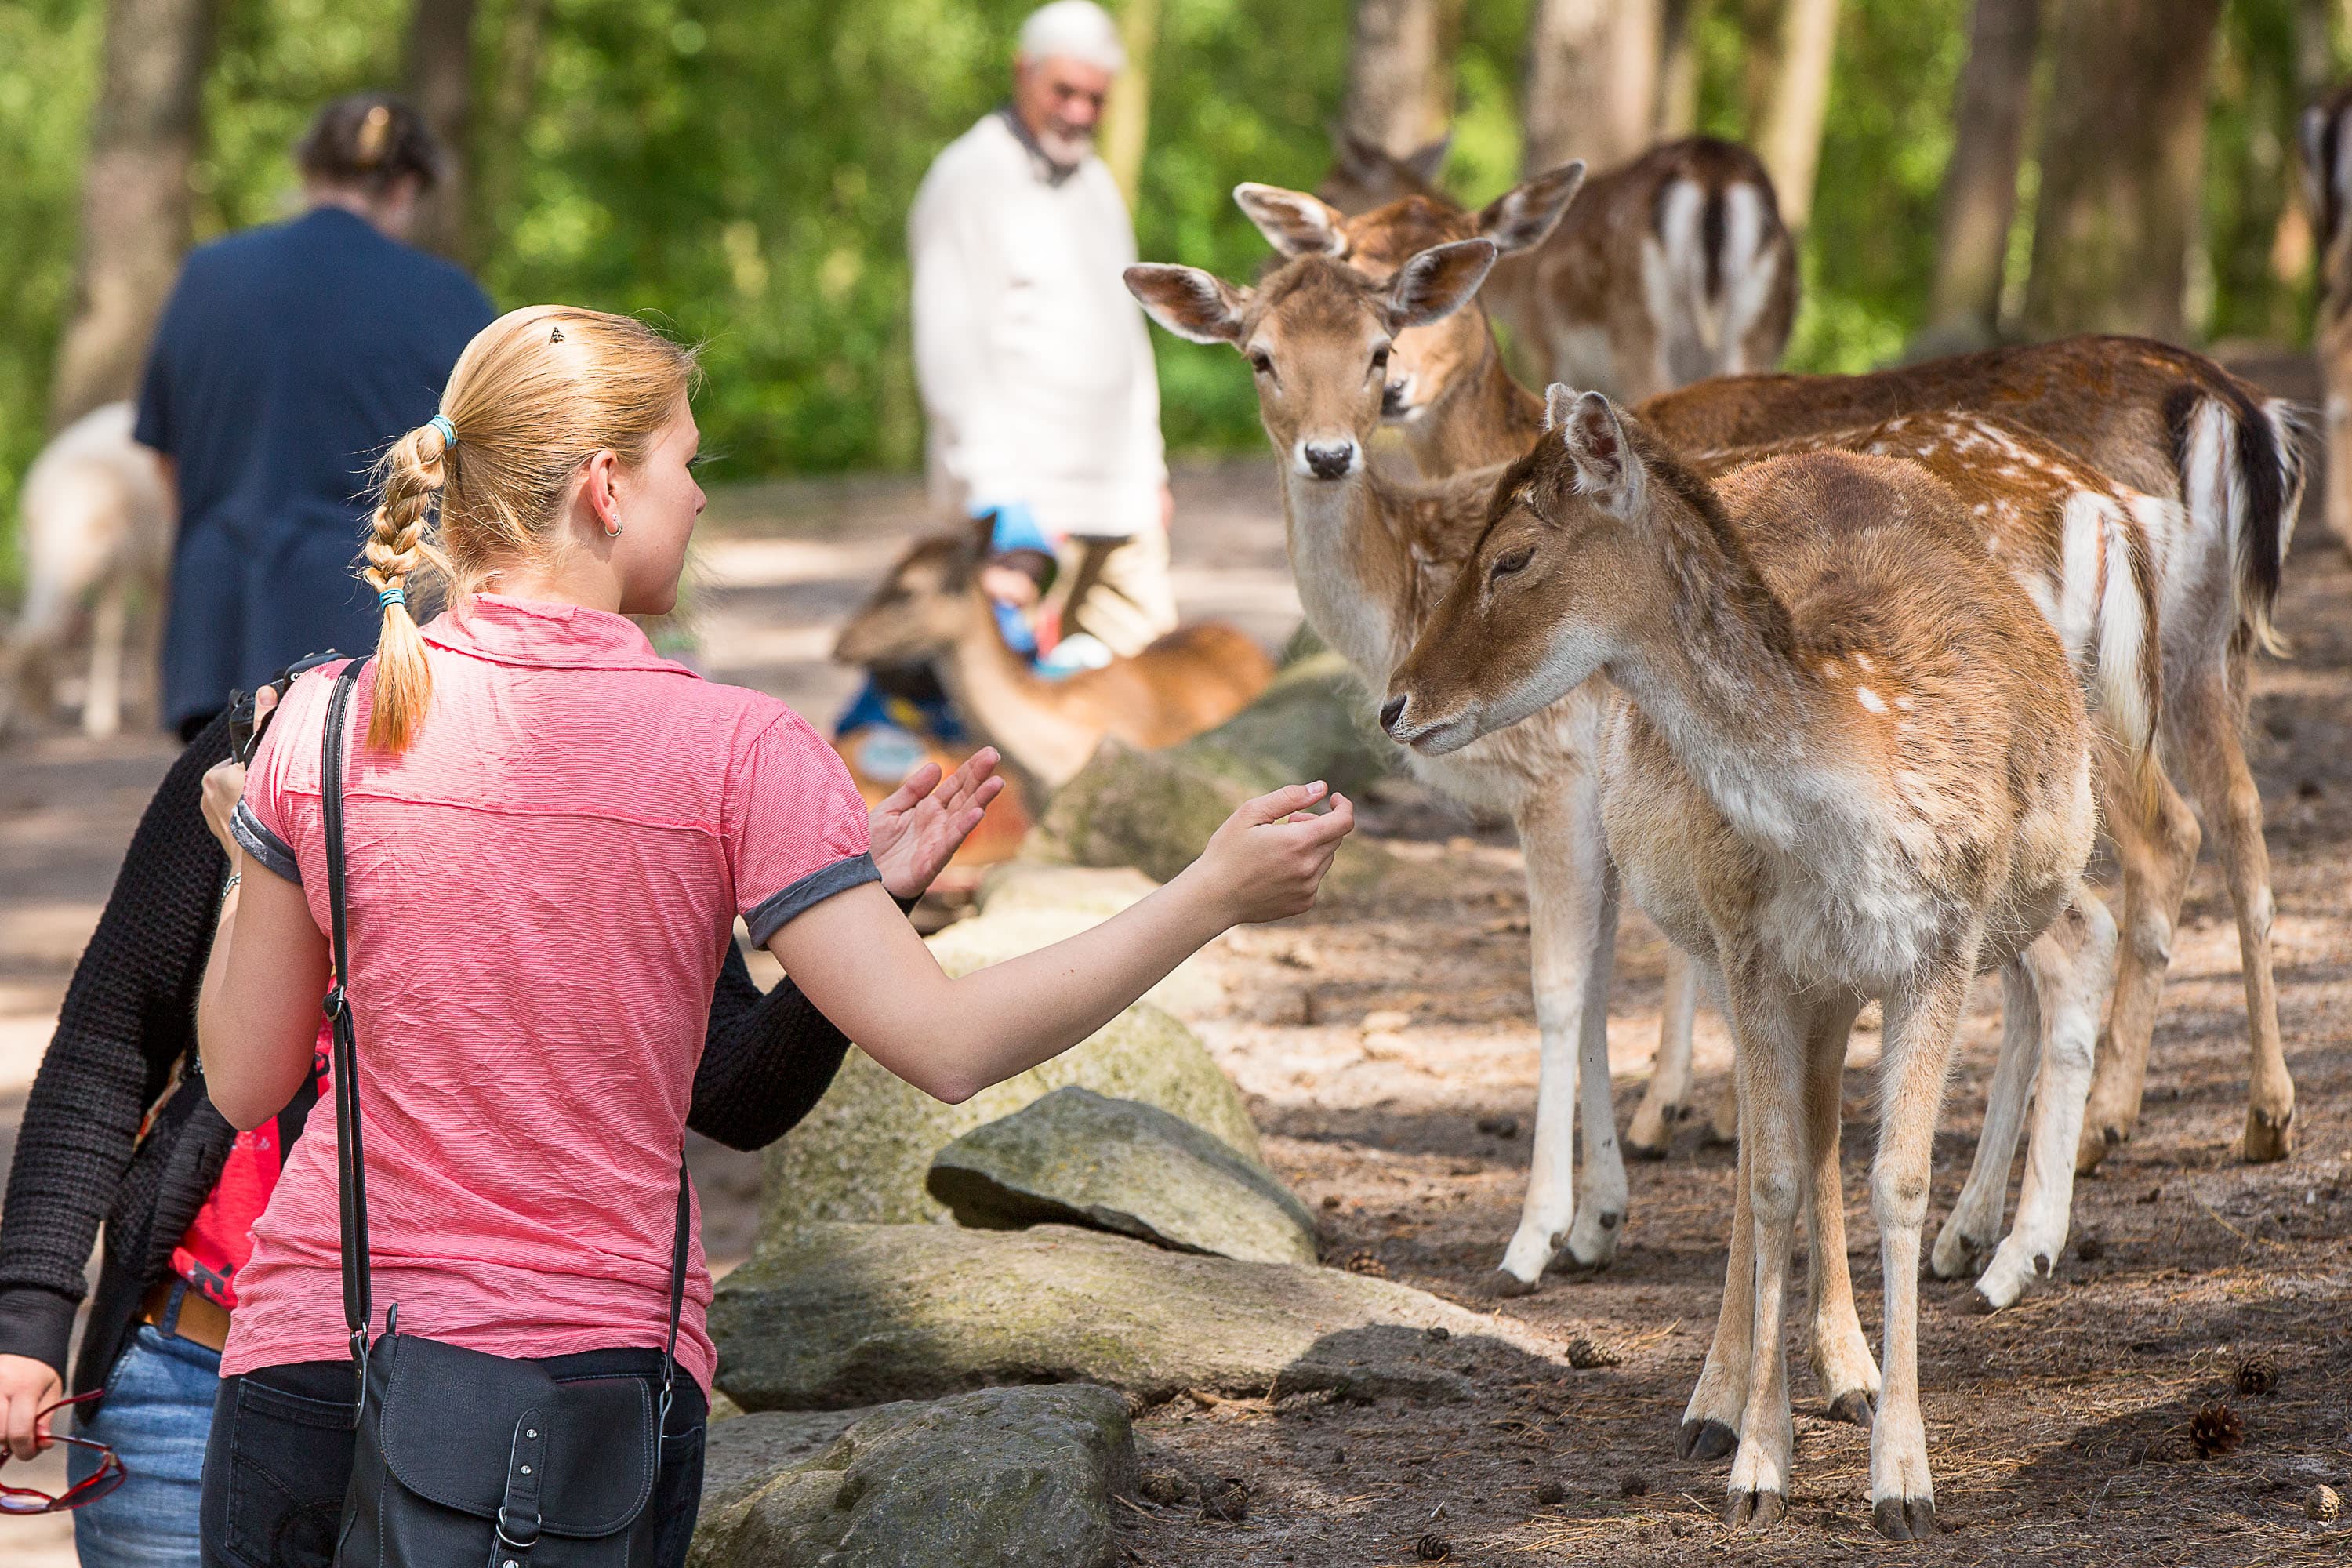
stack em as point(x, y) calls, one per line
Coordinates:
point(2227, 461)
point(2327, 188)
point(1669, 268)
point(933, 609)
point(1844, 759)
point(1372, 555)
point(97, 530)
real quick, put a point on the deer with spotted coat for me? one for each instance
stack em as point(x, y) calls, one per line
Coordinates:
point(1669, 268)
point(1843, 760)
point(2211, 469)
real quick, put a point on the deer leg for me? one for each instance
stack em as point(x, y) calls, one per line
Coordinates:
point(2069, 965)
point(1572, 925)
point(1973, 1229)
point(2339, 450)
point(101, 705)
point(2225, 791)
point(1923, 1018)
point(1667, 1100)
point(2156, 845)
point(1723, 1117)
point(1773, 1069)
point(1710, 1426)
point(1841, 1354)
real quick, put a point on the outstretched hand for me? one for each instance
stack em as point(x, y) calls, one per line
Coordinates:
point(1269, 857)
point(925, 821)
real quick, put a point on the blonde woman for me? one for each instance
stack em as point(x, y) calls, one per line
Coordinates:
point(549, 832)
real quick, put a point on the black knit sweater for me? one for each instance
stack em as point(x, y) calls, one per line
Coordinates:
point(129, 1025)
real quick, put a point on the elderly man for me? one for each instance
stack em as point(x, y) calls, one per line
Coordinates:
point(1034, 365)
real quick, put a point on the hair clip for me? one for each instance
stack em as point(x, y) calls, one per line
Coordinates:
point(555, 334)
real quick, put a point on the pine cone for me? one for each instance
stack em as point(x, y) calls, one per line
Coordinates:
point(1227, 1499)
point(2258, 1373)
point(1433, 1548)
point(1584, 1355)
point(1368, 1263)
point(1165, 1487)
point(2216, 1430)
point(2322, 1504)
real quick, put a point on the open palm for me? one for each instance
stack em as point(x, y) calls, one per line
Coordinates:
point(924, 820)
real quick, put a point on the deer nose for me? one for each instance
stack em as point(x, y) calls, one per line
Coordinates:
point(1392, 713)
point(1329, 459)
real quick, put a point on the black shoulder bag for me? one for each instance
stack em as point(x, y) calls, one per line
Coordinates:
point(463, 1456)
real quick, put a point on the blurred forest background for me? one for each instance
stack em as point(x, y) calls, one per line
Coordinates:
point(743, 169)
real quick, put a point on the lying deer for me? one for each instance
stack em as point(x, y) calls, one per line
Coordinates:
point(931, 609)
point(1670, 269)
point(2327, 188)
point(1844, 760)
point(96, 529)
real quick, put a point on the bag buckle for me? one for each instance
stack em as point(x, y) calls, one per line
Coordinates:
point(526, 1543)
point(333, 1004)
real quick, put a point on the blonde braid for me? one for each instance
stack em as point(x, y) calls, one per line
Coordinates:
point(411, 478)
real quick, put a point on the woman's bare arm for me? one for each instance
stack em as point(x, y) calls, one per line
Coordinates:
point(257, 1020)
point(863, 965)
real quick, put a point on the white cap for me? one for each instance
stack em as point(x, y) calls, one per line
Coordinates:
point(1072, 31)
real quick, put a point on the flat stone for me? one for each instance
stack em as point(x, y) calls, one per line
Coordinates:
point(1006, 1477)
point(1078, 1157)
point(838, 1316)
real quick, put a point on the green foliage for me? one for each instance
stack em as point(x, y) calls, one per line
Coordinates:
point(744, 170)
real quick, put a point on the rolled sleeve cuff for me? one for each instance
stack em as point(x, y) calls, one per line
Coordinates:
point(38, 1323)
point(256, 840)
point(771, 914)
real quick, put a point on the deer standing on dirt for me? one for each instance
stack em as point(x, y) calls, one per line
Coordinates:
point(1668, 270)
point(1371, 555)
point(1845, 758)
point(933, 609)
point(2327, 188)
point(97, 530)
point(2223, 465)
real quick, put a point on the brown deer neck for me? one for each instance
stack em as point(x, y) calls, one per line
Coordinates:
point(1483, 418)
point(1008, 705)
point(1351, 544)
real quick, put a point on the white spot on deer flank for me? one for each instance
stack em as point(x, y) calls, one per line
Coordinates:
point(1870, 700)
point(1904, 704)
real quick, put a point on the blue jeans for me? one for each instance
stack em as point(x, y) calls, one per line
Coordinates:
point(157, 1414)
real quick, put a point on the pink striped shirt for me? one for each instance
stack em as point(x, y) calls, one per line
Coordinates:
point(540, 891)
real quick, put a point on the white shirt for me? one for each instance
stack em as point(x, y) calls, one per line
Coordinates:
point(1032, 359)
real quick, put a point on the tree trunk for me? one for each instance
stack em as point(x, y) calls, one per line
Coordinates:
point(1678, 68)
point(1988, 117)
point(1401, 73)
point(497, 169)
point(1592, 81)
point(135, 201)
point(1127, 120)
point(441, 82)
point(2123, 149)
point(1788, 132)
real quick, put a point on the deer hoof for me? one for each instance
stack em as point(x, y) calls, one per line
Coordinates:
point(1504, 1284)
point(1706, 1440)
point(1853, 1407)
point(2269, 1137)
point(1754, 1511)
point(1905, 1518)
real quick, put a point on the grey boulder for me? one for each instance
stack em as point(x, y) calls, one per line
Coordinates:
point(1002, 1477)
point(1084, 1158)
point(843, 1315)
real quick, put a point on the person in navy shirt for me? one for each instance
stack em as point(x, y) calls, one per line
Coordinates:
point(287, 359)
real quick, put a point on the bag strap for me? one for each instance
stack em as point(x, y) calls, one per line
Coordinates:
point(350, 1161)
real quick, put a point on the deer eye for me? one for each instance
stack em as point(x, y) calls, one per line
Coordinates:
point(1380, 357)
point(1261, 361)
point(1508, 564)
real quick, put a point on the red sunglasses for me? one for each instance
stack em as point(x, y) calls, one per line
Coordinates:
point(108, 1475)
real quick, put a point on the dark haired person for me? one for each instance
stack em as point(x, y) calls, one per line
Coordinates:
point(119, 1127)
point(289, 356)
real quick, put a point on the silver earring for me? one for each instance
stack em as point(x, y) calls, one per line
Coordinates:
point(615, 532)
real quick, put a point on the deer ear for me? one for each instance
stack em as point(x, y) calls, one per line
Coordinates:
point(1522, 217)
point(1608, 470)
point(1293, 222)
point(1189, 302)
point(1356, 158)
point(1438, 282)
point(1427, 161)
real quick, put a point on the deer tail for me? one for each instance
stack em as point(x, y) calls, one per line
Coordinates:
point(2242, 462)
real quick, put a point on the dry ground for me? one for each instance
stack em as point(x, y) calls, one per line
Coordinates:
point(2055, 1428)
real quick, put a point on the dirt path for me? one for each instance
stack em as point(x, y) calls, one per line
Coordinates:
point(2056, 1426)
